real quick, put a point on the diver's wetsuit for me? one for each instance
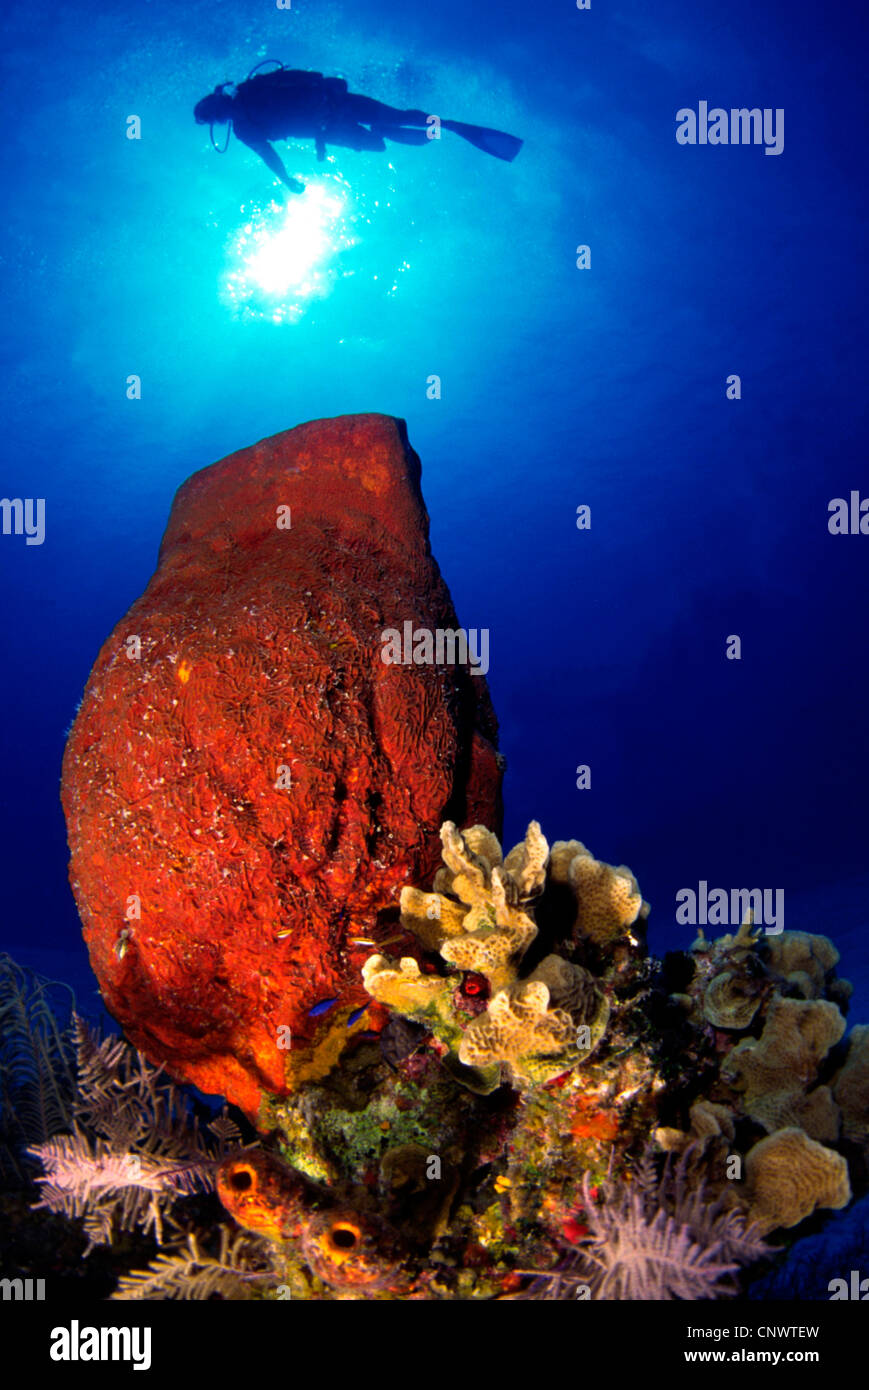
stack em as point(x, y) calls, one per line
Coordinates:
point(292, 104)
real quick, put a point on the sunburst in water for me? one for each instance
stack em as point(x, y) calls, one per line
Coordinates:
point(287, 254)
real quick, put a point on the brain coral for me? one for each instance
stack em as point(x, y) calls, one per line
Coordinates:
point(247, 784)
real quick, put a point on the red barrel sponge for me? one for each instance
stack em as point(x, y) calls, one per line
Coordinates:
point(248, 784)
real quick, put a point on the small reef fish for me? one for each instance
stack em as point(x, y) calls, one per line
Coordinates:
point(367, 941)
point(122, 945)
point(343, 1246)
point(323, 1007)
point(356, 1015)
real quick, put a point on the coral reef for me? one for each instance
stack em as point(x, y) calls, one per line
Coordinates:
point(786, 1095)
point(519, 988)
point(248, 783)
point(771, 1007)
point(480, 920)
point(659, 1236)
point(489, 1137)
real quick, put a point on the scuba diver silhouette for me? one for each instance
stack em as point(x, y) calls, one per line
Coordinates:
point(291, 104)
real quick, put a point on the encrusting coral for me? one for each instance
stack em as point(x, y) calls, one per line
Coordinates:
point(479, 919)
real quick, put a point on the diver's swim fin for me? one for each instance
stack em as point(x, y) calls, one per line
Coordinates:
point(492, 141)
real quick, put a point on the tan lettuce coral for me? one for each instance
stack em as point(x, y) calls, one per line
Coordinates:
point(431, 917)
point(403, 986)
point(472, 856)
point(803, 960)
point(570, 987)
point(732, 946)
point(517, 1029)
point(608, 898)
point(732, 999)
point(851, 1087)
point(526, 863)
point(776, 1070)
point(789, 1176)
point(523, 1031)
point(819, 1115)
point(479, 918)
point(494, 940)
point(709, 1120)
point(753, 964)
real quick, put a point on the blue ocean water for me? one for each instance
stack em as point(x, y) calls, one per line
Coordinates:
point(560, 387)
point(813, 1262)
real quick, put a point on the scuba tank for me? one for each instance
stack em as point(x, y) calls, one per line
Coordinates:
point(299, 78)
